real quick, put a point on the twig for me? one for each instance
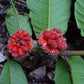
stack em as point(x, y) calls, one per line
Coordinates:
point(72, 53)
point(22, 1)
point(20, 4)
point(66, 58)
point(64, 52)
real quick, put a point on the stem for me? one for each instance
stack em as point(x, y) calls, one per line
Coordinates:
point(20, 3)
point(7, 54)
point(36, 48)
point(15, 12)
point(67, 60)
point(72, 53)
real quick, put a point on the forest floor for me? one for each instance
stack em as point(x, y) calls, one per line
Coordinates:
point(38, 67)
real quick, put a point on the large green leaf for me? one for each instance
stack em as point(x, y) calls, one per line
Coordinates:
point(11, 12)
point(14, 21)
point(49, 13)
point(12, 24)
point(77, 69)
point(79, 15)
point(12, 73)
point(62, 75)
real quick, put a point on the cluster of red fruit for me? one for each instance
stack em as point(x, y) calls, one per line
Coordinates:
point(51, 41)
point(20, 43)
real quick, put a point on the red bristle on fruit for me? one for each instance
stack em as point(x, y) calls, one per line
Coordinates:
point(52, 41)
point(19, 43)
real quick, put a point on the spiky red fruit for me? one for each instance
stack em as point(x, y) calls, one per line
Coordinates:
point(52, 41)
point(20, 43)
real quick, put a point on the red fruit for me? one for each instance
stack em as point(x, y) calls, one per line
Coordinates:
point(15, 54)
point(15, 49)
point(21, 31)
point(61, 43)
point(20, 43)
point(21, 52)
point(53, 36)
point(54, 52)
point(52, 41)
point(24, 48)
point(46, 34)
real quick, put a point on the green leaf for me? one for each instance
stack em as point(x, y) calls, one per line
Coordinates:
point(49, 13)
point(12, 24)
point(14, 21)
point(12, 73)
point(79, 15)
point(11, 12)
point(77, 69)
point(62, 75)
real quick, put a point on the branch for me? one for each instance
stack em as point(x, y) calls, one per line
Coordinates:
point(36, 48)
point(72, 53)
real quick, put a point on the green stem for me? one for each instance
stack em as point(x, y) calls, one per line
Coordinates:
point(37, 49)
point(72, 53)
point(15, 13)
point(64, 52)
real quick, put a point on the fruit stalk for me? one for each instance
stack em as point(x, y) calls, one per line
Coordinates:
point(72, 52)
point(37, 48)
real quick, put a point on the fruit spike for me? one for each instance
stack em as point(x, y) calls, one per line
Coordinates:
point(20, 43)
point(52, 41)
